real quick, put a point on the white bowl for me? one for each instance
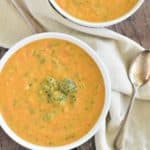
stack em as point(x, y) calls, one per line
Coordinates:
point(100, 65)
point(92, 24)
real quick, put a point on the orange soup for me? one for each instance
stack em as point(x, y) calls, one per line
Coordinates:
point(52, 92)
point(97, 10)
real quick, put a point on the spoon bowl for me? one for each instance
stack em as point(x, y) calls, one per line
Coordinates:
point(139, 72)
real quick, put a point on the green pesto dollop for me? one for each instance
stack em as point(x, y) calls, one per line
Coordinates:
point(58, 91)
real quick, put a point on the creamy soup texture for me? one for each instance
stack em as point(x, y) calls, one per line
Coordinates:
point(51, 92)
point(96, 10)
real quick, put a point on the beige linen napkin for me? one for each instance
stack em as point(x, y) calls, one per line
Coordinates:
point(115, 50)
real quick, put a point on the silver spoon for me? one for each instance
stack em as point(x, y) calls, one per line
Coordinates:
point(139, 75)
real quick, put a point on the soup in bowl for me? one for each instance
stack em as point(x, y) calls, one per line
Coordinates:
point(55, 92)
point(96, 13)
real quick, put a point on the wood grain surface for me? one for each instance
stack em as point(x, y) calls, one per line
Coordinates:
point(137, 28)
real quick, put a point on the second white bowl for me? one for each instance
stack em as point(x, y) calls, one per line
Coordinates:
point(92, 24)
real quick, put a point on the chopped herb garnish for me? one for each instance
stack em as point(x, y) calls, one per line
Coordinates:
point(30, 84)
point(48, 116)
point(59, 96)
point(68, 86)
point(49, 85)
point(15, 102)
point(39, 56)
point(58, 91)
point(42, 60)
point(70, 136)
point(31, 110)
point(72, 99)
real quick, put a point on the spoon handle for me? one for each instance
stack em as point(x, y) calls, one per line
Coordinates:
point(119, 140)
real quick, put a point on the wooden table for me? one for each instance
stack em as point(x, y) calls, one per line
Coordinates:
point(137, 28)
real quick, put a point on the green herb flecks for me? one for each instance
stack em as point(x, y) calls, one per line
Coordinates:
point(72, 99)
point(31, 110)
point(48, 116)
point(39, 56)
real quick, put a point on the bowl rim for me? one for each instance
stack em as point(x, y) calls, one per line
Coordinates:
point(80, 22)
point(102, 69)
